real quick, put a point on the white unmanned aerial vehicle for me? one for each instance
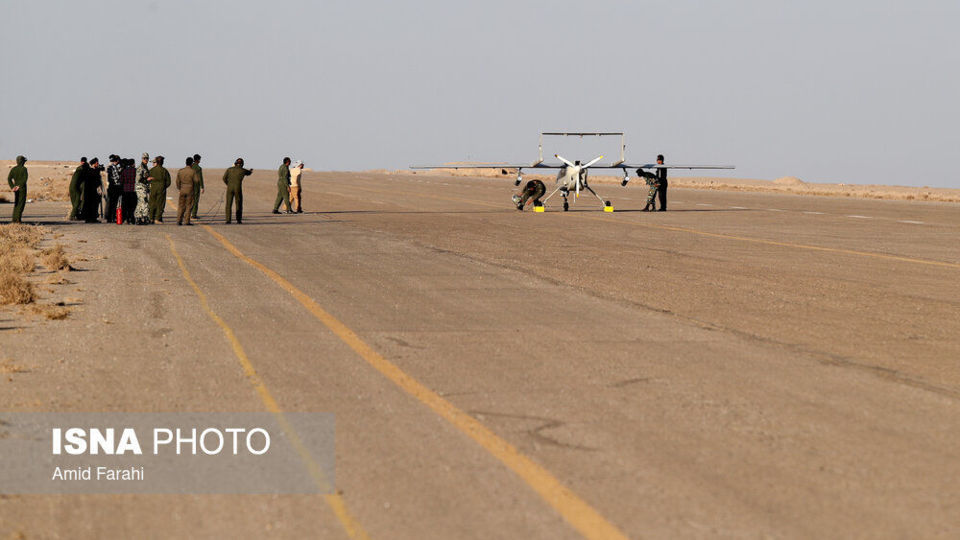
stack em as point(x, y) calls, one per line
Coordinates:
point(572, 177)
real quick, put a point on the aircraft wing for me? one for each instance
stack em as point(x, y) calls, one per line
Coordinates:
point(656, 166)
point(492, 166)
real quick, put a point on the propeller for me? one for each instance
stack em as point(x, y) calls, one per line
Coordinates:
point(563, 159)
point(594, 160)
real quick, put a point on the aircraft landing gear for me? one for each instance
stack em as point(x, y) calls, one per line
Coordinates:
point(566, 205)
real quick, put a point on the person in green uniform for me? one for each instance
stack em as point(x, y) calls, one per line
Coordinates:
point(76, 196)
point(233, 178)
point(283, 187)
point(17, 179)
point(198, 185)
point(158, 189)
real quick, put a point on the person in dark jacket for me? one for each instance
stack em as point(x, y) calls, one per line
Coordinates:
point(233, 178)
point(76, 195)
point(662, 188)
point(17, 179)
point(92, 187)
point(128, 183)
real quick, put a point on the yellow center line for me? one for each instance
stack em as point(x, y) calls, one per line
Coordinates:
point(583, 517)
point(333, 499)
point(898, 258)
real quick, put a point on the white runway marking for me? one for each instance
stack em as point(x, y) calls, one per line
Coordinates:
point(815, 213)
point(911, 222)
point(859, 217)
point(739, 207)
point(703, 204)
point(775, 210)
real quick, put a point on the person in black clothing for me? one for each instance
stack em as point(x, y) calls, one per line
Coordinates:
point(662, 188)
point(128, 183)
point(91, 187)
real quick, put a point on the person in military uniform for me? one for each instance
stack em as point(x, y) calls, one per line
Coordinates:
point(92, 187)
point(534, 189)
point(186, 180)
point(233, 178)
point(141, 213)
point(283, 187)
point(76, 195)
point(653, 183)
point(198, 185)
point(658, 187)
point(17, 179)
point(160, 181)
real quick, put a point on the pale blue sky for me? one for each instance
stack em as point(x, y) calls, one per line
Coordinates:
point(855, 91)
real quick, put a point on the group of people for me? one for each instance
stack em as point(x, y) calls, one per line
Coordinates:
point(137, 195)
point(132, 194)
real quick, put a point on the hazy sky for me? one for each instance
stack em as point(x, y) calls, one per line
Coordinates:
point(854, 91)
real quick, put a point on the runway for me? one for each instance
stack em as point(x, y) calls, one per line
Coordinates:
point(742, 365)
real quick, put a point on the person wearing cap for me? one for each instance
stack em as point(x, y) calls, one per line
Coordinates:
point(141, 214)
point(233, 178)
point(295, 173)
point(198, 185)
point(159, 182)
point(283, 187)
point(662, 180)
point(186, 178)
point(76, 195)
point(17, 179)
point(114, 189)
point(92, 187)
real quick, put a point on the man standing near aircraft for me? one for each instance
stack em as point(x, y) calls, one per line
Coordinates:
point(233, 178)
point(283, 187)
point(658, 186)
point(662, 188)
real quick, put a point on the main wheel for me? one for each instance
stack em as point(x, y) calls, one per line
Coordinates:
point(566, 206)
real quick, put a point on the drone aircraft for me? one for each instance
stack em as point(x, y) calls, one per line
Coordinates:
point(572, 177)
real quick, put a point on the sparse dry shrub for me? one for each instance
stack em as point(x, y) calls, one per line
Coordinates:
point(16, 290)
point(53, 313)
point(17, 234)
point(17, 261)
point(55, 258)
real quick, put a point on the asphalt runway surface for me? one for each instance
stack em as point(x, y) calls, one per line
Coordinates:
point(741, 365)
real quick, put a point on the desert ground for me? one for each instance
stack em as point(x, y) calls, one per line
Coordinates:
point(751, 363)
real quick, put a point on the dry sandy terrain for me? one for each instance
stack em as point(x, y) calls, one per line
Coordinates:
point(747, 364)
point(787, 184)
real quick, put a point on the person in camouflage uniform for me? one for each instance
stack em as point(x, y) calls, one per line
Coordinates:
point(283, 187)
point(654, 185)
point(141, 213)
